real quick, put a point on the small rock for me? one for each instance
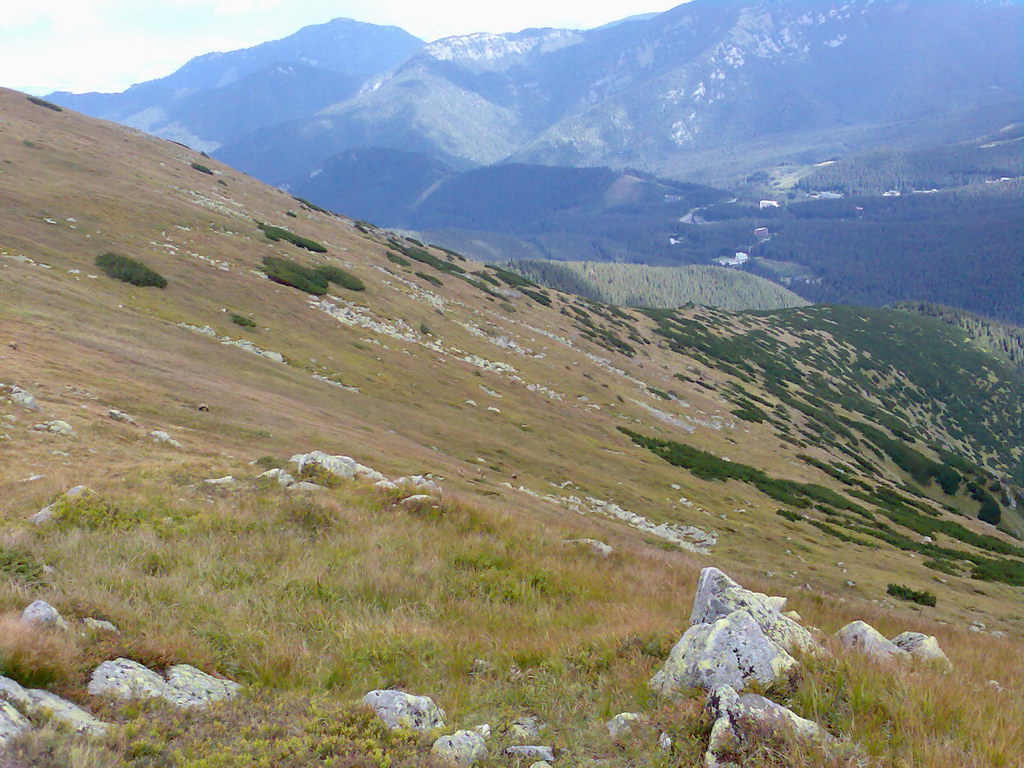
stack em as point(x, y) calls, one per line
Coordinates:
point(860, 636)
point(162, 437)
point(597, 547)
point(191, 687)
point(483, 730)
point(531, 752)
point(525, 728)
point(420, 482)
point(462, 748)
point(42, 614)
point(664, 742)
point(53, 707)
point(921, 646)
point(386, 485)
point(994, 684)
point(403, 710)
point(122, 417)
point(227, 480)
point(55, 428)
point(622, 724)
point(23, 399)
point(540, 764)
point(418, 500)
point(481, 667)
point(100, 625)
point(278, 476)
point(305, 486)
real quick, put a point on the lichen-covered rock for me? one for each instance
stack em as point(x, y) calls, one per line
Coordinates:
point(12, 723)
point(403, 710)
point(52, 707)
point(738, 717)
point(532, 752)
point(305, 486)
point(417, 500)
point(14, 693)
point(185, 685)
point(55, 428)
point(342, 467)
point(368, 474)
point(462, 748)
point(386, 485)
point(860, 636)
point(525, 728)
point(923, 647)
point(730, 651)
point(121, 416)
point(718, 596)
point(100, 625)
point(597, 547)
point(42, 614)
point(623, 723)
point(23, 399)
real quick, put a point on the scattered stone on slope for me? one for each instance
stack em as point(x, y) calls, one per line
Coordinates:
point(47, 513)
point(404, 710)
point(597, 547)
point(121, 416)
point(462, 748)
point(226, 481)
point(739, 718)
point(860, 636)
point(162, 437)
point(623, 723)
point(185, 685)
point(718, 595)
point(732, 651)
point(531, 752)
point(921, 646)
point(22, 399)
point(55, 428)
point(278, 476)
point(100, 625)
point(42, 614)
point(417, 500)
point(525, 728)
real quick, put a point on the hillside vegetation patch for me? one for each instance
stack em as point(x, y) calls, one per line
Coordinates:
point(274, 234)
point(129, 270)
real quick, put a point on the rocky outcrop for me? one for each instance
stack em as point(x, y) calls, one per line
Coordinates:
point(185, 685)
point(342, 467)
point(524, 729)
point(12, 723)
point(862, 637)
point(718, 596)
point(403, 710)
point(740, 718)
point(923, 647)
point(731, 651)
point(462, 748)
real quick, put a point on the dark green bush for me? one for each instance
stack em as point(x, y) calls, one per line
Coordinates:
point(340, 277)
point(287, 272)
point(201, 168)
point(279, 233)
point(906, 593)
point(394, 258)
point(44, 103)
point(429, 278)
point(242, 320)
point(130, 270)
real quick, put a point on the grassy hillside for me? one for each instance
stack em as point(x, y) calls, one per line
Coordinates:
point(639, 285)
point(806, 451)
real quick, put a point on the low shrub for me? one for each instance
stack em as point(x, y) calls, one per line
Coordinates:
point(429, 278)
point(242, 320)
point(201, 168)
point(44, 103)
point(287, 272)
point(20, 565)
point(130, 270)
point(913, 595)
point(275, 234)
point(341, 278)
point(394, 258)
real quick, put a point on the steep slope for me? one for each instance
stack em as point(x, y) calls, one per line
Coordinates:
point(837, 448)
point(218, 97)
point(698, 85)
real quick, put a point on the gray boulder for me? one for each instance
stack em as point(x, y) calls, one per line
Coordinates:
point(23, 399)
point(100, 625)
point(185, 685)
point(923, 647)
point(531, 752)
point(730, 651)
point(340, 466)
point(739, 718)
point(403, 710)
point(47, 513)
point(55, 428)
point(524, 729)
point(42, 614)
point(121, 416)
point(862, 637)
point(417, 500)
point(462, 748)
point(718, 596)
point(278, 476)
point(305, 486)
point(45, 705)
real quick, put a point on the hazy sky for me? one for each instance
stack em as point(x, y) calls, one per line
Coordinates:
point(104, 45)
